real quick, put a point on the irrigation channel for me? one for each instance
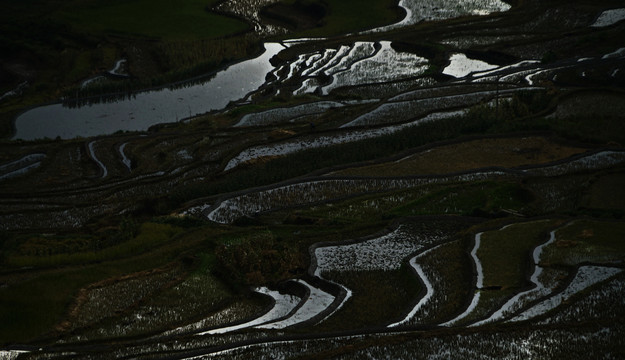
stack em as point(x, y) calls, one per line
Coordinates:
point(398, 90)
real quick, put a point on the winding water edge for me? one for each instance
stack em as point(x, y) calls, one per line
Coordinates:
point(148, 108)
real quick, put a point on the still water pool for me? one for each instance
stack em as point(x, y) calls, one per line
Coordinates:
point(148, 108)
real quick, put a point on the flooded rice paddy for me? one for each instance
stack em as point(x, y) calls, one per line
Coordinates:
point(357, 64)
point(418, 11)
point(609, 17)
point(345, 91)
point(461, 66)
point(584, 278)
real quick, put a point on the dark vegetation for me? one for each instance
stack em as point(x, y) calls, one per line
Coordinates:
point(330, 18)
point(365, 310)
point(297, 16)
point(138, 237)
point(480, 120)
point(258, 259)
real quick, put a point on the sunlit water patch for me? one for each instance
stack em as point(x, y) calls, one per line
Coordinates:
point(479, 283)
point(386, 253)
point(221, 319)
point(14, 92)
point(507, 70)
point(12, 354)
point(586, 276)
point(309, 86)
point(428, 286)
point(250, 10)
point(283, 305)
point(615, 54)
point(461, 66)
point(359, 51)
point(386, 65)
point(119, 69)
point(95, 158)
point(602, 302)
point(400, 111)
point(21, 166)
point(544, 280)
point(383, 90)
point(148, 108)
point(342, 60)
point(93, 81)
point(296, 66)
point(609, 17)
point(428, 10)
point(317, 302)
point(318, 62)
point(337, 57)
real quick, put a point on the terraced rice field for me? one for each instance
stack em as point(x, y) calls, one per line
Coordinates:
point(446, 186)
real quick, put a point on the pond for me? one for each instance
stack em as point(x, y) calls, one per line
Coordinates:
point(145, 109)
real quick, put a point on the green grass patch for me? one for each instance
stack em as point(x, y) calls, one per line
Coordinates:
point(275, 102)
point(257, 258)
point(599, 129)
point(490, 301)
point(348, 16)
point(200, 294)
point(364, 208)
point(449, 267)
point(33, 307)
point(150, 235)
point(587, 240)
point(477, 199)
point(607, 192)
point(506, 254)
point(474, 154)
point(187, 19)
point(378, 297)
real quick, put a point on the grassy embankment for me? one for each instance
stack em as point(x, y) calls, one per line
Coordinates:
point(479, 121)
point(344, 18)
point(229, 259)
point(587, 240)
point(505, 152)
point(161, 19)
point(505, 254)
point(378, 297)
point(35, 304)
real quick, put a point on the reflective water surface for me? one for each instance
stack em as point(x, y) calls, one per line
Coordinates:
point(147, 108)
